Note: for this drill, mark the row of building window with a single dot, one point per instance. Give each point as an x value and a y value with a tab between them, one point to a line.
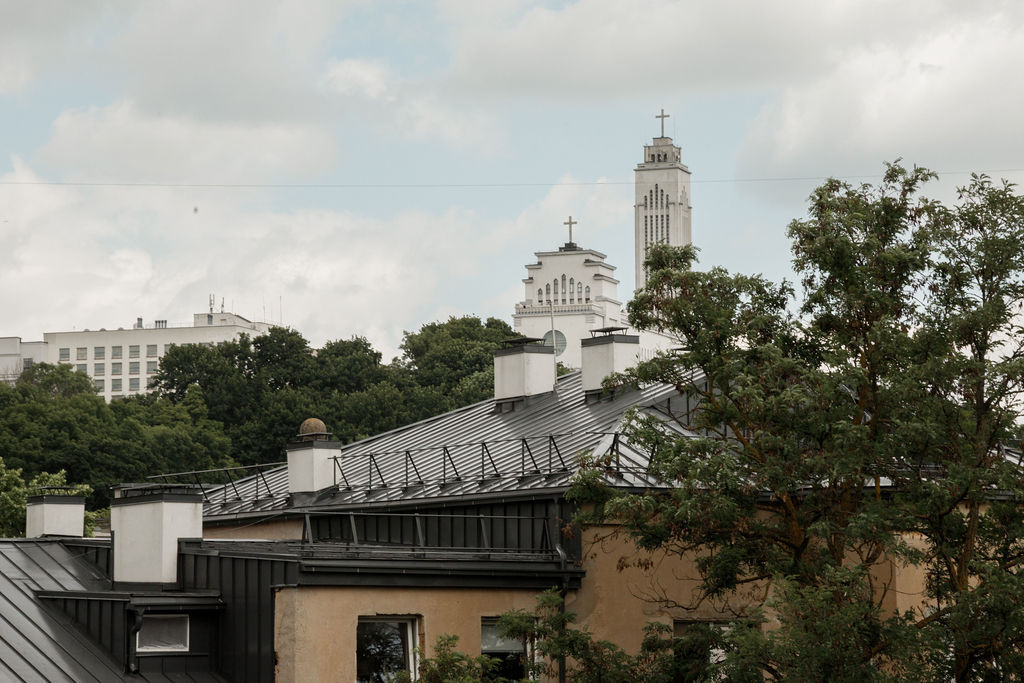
657	229
656	199
100	352
573	293
100	369
117	385
386	646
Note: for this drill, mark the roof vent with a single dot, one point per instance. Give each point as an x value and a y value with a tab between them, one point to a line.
607	351
523	368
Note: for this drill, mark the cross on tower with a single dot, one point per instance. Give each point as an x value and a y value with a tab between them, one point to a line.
570	223
662	116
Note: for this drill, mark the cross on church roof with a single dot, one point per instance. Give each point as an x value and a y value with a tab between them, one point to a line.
662	116
570	223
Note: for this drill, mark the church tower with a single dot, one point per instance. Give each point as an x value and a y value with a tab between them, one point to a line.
662	209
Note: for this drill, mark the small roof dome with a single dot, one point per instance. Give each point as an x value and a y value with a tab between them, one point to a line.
313	428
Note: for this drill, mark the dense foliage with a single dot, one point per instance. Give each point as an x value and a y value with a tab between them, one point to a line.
866	431
261	389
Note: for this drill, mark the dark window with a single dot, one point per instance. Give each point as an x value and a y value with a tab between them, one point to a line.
511	654
384	647
697	645
163	633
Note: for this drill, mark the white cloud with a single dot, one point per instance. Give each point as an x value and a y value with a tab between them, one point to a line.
122	143
37	36
943	99
365	78
335	273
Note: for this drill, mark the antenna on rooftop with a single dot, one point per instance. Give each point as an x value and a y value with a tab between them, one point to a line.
222	304
213	300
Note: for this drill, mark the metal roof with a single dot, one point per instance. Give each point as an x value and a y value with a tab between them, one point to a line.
479	451
37	642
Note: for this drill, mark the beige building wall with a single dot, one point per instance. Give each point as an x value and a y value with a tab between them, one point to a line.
626	588
315	627
273	530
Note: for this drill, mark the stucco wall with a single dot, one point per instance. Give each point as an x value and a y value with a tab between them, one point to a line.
315	627
616	605
281	529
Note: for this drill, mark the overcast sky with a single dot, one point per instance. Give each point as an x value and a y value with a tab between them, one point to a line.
362	168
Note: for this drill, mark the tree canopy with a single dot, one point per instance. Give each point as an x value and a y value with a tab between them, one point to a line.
869	426
261	389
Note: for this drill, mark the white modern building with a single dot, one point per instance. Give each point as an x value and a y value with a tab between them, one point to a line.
572	292
123	361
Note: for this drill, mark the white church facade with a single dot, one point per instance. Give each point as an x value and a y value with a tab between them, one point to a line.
572	292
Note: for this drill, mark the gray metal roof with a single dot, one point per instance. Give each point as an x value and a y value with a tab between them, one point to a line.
477	451
37	642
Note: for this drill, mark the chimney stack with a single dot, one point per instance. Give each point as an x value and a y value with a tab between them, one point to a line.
54	515
311	459
146	523
607	351
524	368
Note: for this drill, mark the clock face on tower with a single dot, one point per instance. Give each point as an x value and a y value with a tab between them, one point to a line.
559	341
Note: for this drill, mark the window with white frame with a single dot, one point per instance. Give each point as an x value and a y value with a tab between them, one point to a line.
65	353
697	646
163	633
99	352
81	353
133	351
151	350
511	654
385	647
115	352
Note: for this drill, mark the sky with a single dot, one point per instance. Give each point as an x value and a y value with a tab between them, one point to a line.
363	168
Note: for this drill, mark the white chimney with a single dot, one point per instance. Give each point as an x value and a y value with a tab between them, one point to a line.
525	369
311	459
54	515
146	523
610	351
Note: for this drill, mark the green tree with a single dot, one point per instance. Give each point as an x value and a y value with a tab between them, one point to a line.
825	438
448	665
443	354
14	493
56	380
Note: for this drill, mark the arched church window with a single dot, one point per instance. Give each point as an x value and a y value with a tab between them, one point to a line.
572	289
540	295
548	288
579	291
588	295
563	288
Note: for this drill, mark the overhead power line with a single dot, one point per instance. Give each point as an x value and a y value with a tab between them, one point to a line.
395	186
